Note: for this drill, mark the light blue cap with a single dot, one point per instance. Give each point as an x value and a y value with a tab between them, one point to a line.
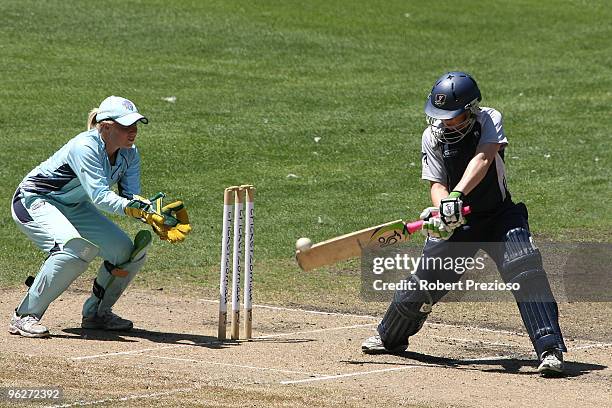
121	110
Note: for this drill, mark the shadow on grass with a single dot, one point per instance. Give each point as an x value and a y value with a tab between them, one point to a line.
510	365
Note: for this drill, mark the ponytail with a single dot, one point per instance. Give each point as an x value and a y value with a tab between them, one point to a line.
91	119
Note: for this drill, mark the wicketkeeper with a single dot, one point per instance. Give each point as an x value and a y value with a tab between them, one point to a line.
463	160
58	206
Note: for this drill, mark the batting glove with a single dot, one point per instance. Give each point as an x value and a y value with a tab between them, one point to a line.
451	209
427	213
435	228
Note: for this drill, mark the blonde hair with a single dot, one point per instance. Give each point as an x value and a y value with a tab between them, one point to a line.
91	120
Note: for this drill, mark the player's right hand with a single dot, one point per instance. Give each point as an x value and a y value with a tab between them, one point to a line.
163	223
435	228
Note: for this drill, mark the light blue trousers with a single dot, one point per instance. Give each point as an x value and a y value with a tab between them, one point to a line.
58	229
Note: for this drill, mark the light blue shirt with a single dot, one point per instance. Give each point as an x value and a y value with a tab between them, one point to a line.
81	171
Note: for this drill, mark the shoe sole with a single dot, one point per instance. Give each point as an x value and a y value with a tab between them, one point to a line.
375	351
383	351
17	331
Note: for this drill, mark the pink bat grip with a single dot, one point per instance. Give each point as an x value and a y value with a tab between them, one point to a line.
417	225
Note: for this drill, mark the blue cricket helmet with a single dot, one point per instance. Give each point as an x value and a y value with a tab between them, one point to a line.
452	94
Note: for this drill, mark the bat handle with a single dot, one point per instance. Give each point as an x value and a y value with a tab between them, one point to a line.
413	227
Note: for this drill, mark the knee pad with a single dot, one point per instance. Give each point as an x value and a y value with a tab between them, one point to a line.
523	265
81	248
57	273
71	260
109	275
405	315
112	280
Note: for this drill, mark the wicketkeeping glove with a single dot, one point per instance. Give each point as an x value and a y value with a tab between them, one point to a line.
451	209
142	209
181	226
169	222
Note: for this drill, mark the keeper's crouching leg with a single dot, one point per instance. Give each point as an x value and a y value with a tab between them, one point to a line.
112	280
60	269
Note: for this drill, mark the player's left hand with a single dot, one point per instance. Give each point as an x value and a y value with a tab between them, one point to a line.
451	210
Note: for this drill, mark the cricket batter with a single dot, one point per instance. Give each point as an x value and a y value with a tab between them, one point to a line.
58	204
463	160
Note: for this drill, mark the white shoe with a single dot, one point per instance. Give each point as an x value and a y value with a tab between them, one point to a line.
27	326
552	364
106	321
374	345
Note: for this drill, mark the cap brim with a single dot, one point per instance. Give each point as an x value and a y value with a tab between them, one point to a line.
436	113
131	118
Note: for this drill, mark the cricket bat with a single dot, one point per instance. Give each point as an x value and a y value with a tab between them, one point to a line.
350	245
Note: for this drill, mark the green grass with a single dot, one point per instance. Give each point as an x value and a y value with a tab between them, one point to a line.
256	82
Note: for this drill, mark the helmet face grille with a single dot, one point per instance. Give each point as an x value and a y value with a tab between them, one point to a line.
451	134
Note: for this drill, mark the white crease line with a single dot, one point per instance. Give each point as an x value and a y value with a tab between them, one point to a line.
126	398
288	309
269	336
385	370
318	312
119	353
359	373
190	360
591	346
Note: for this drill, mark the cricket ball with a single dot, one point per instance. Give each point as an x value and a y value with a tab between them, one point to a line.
303	244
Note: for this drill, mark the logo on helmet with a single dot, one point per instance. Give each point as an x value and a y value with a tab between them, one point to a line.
128	105
439	99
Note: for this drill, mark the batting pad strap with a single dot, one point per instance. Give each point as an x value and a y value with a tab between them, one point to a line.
98	290
115	270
